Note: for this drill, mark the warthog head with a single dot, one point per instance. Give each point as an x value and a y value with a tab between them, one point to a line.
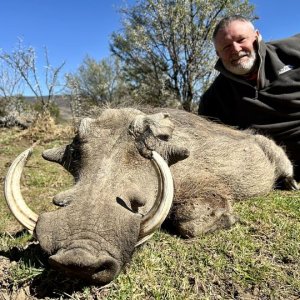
123	191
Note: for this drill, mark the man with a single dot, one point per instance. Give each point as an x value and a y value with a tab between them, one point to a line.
258	86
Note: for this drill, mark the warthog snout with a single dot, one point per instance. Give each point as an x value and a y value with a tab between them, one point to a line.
100	270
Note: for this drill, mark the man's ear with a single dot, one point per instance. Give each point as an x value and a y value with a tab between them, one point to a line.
217	53
258	35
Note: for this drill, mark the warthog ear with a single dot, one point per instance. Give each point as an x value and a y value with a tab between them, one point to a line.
67	156
152	132
55	154
175	154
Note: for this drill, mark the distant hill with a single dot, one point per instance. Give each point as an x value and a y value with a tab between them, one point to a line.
63	103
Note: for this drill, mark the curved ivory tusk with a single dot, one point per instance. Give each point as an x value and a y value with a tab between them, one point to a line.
12	192
158	213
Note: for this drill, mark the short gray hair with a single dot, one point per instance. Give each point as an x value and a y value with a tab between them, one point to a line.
226	21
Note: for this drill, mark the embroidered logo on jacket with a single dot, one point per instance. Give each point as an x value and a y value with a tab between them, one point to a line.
285	69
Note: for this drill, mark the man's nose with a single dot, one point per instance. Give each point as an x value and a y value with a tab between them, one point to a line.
236	47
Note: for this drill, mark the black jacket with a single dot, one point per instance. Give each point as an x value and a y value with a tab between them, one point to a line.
272	107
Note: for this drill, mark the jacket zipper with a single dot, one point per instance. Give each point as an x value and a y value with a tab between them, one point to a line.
256	93
258	71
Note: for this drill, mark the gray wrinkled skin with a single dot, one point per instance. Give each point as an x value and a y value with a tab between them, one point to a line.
94	234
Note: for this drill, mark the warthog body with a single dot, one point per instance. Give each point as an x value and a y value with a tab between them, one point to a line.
96	231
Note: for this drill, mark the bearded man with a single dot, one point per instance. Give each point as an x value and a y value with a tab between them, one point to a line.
258	86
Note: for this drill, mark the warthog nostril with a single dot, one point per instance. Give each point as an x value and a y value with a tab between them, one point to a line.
80	263
106	271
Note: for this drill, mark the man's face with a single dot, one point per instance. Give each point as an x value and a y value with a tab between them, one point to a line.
235	46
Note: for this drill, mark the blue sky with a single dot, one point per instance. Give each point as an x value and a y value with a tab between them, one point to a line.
71	29
278	18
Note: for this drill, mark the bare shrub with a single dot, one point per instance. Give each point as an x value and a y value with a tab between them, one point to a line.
44	129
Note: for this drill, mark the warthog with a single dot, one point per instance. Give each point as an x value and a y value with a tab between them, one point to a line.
124	187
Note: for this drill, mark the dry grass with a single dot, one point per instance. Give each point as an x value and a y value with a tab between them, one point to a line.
45	130
258	258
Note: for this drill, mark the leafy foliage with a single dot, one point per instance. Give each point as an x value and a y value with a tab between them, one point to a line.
96	84
166	47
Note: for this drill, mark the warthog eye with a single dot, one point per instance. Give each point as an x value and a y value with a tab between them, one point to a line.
74	148
164	137
72	157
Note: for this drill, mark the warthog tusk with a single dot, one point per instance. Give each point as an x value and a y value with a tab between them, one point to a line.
13	195
158	213
150	222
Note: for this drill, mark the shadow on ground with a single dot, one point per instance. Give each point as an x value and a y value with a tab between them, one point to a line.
28	268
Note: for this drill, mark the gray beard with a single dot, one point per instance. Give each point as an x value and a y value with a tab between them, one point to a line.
243	67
